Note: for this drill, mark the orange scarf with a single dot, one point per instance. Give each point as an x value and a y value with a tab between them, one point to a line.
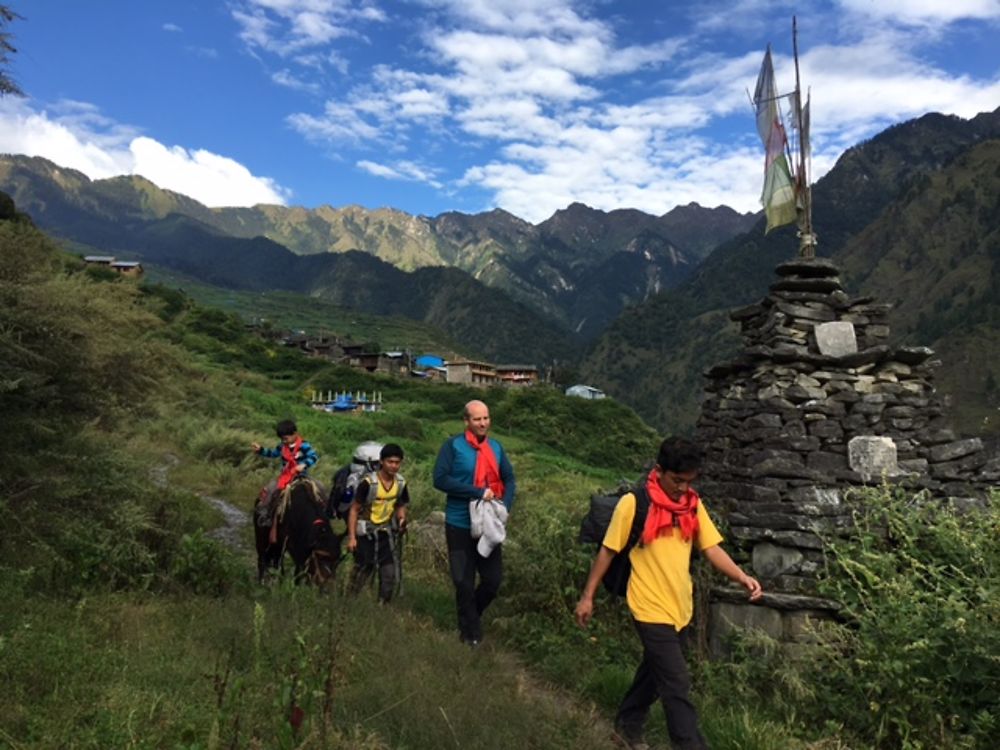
487	473
665	513
289	454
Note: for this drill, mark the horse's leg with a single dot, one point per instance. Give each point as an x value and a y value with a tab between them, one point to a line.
263	555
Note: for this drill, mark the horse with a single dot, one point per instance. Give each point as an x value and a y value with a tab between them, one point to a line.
303	531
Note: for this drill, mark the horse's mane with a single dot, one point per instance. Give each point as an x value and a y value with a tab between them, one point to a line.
285	496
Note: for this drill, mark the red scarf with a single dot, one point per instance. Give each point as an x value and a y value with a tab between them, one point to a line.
487	472
289	454
660	520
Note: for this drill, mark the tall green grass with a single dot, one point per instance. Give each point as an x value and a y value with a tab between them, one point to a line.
125	625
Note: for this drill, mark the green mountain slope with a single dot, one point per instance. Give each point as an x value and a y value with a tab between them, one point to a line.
559	268
935	255
653	355
479	319
128	623
294	311
700	230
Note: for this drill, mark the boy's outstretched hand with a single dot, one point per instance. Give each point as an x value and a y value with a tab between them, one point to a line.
255	447
584	611
753	587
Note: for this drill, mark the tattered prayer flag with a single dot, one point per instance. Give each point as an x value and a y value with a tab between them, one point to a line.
778	196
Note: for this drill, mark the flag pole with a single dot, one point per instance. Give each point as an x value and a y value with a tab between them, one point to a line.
807	240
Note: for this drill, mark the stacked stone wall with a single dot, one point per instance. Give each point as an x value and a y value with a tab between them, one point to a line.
816	403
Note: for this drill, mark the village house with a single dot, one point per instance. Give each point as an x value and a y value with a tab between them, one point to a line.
320	347
99	260
390	363
517	375
439	374
131	268
471	372
585	391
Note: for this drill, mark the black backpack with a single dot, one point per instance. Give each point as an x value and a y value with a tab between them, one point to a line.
341	495
364	461
595	525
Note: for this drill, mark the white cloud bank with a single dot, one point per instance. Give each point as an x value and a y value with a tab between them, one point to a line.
539	104
77	136
540	92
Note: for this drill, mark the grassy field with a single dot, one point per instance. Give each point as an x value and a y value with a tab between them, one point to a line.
291	311
125	624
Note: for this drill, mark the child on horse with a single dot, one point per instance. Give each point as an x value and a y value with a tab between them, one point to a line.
297	456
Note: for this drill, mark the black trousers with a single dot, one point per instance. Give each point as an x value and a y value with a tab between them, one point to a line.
663	675
374	550
465	562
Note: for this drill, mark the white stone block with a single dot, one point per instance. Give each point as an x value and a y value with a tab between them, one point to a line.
872	456
836	339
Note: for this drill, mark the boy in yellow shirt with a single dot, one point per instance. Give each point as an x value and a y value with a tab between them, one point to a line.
660	590
375	521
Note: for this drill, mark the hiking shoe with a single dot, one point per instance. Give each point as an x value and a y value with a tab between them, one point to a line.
628	744
630	741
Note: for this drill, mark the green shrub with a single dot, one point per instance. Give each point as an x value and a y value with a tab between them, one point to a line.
205	566
917	662
600	433
210	441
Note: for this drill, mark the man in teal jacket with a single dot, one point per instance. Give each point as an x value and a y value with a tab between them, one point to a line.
472	467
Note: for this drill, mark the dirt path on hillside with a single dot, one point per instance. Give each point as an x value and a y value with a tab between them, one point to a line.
544	697
235	520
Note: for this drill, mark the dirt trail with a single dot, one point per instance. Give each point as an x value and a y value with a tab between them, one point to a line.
592	729
235	520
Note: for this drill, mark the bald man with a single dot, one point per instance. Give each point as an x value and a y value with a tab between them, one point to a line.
472	466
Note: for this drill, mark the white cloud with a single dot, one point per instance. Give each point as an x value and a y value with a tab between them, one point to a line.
286	27
924	12
339	122
289	80
554	18
210	178
401	170
535	87
77	136
172	27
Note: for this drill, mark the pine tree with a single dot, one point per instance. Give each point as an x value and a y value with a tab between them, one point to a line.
7	85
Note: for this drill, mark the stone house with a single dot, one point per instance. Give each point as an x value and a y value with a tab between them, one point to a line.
471	372
517	375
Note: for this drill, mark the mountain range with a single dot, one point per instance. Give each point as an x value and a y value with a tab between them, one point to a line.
640	302
579	268
911	216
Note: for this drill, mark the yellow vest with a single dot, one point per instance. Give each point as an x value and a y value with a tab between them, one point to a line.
382	502
659	589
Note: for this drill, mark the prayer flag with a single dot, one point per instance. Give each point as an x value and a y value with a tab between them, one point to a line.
778	196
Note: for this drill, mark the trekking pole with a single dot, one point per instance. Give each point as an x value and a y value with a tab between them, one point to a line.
397	555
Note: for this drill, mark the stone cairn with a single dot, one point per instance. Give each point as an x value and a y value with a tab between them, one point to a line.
816	403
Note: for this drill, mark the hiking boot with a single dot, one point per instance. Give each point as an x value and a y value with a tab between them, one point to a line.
628	744
630	741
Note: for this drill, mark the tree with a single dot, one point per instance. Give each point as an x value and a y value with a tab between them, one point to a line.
7	85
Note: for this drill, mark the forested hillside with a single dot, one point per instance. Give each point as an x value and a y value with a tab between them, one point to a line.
929	178
579	268
127	623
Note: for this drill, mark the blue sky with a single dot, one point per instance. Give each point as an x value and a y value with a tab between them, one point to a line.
436	105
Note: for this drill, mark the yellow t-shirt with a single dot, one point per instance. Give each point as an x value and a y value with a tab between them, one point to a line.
659	589
384	502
